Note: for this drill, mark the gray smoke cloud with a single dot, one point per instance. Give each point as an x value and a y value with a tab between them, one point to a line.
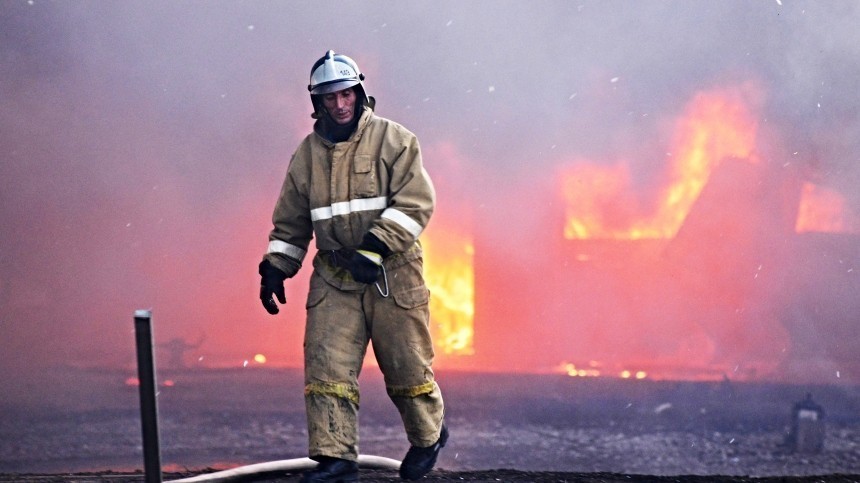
143	143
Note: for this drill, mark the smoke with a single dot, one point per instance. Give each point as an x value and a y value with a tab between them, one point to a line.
143	144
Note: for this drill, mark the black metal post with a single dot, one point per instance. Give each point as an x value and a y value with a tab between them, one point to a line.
148	402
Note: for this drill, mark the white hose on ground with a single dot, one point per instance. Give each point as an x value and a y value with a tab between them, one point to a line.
295	464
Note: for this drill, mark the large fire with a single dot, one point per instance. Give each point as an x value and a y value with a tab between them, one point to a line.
450	276
599	198
602	202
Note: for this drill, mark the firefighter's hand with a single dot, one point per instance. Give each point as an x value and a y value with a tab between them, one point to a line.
271	285
365	266
366	262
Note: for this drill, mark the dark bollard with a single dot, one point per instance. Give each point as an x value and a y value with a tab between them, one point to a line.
148	402
807	427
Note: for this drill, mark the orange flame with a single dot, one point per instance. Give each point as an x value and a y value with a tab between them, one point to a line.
450	276
823	210
716	125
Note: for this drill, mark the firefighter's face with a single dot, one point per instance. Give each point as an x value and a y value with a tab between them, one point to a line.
340	105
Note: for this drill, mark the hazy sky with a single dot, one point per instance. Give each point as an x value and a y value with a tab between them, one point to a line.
142	144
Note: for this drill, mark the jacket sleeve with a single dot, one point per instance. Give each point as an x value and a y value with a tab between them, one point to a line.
411	199
293	231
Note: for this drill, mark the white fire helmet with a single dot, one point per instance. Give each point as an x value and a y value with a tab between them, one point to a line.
334	72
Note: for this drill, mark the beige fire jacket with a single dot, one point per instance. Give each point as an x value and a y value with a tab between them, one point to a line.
374	181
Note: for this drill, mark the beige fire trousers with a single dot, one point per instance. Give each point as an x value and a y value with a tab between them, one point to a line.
339	326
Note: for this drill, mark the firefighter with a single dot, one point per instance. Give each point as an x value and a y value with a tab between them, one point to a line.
357	183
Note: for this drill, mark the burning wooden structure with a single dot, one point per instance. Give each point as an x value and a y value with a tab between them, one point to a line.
734	264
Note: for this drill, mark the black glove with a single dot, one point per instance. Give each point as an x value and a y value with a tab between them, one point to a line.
366	262
271	283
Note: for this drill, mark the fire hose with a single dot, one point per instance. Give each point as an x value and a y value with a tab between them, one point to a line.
290	465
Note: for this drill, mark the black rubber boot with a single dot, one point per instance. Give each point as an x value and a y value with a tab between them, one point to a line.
333	470
419	461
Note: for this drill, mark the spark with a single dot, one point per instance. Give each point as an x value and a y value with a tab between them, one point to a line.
449	23
245	364
250	27
614	80
492	88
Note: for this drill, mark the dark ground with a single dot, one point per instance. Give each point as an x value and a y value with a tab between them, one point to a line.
547	428
494	476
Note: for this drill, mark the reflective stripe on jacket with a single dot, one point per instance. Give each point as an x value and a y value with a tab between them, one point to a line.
374	181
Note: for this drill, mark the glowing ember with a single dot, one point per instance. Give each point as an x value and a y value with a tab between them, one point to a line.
572	371
599	198
625	374
260	359
132	381
450	276
823	211
593	370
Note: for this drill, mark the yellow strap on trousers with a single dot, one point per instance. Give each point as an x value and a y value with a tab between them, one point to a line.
335	389
411	391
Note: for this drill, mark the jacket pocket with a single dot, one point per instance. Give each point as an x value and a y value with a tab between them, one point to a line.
413	297
365	176
315	297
